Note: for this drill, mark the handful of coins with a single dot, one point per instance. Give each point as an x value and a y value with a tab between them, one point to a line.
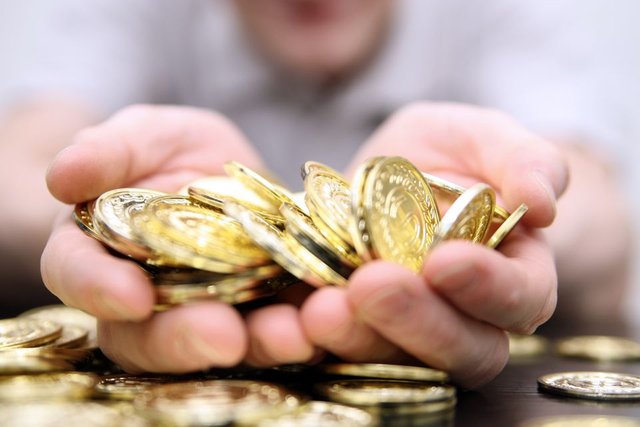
241	237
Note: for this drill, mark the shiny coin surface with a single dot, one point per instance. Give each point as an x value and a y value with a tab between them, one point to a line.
127	386
505	228
27	332
283	249
269	192
83	217
383	392
12	363
386	371
112	217
319	413
215	402
61	386
65	315
328	196
523	346
396	215
71	337
456	190
217	189
592	385
582	421
599	347
469	216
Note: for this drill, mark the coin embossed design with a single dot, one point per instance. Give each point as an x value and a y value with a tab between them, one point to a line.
27	332
592	385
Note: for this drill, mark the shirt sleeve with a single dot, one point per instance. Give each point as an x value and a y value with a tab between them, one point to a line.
99	52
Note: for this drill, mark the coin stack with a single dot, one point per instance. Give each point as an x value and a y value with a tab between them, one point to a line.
241	237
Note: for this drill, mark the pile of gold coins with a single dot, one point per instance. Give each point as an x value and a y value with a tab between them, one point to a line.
241	237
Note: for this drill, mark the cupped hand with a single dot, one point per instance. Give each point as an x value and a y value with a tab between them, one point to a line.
454	314
160	148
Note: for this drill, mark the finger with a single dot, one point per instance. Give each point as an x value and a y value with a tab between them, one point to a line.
330	322
516	292
183	339
140	141
79	271
276	337
485	144
404	310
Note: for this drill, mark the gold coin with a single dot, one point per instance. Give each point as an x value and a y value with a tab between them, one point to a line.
506	227
14	363
71	337
600	348
469	216
581	421
224	282
128	386
65	316
449	188
319	413
61	386
342	259
384	392
83	217
283	249
27	332
220	188
212	234
112	218
523	346
183	294
311	165
386	371
328	197
71	355
395	212
271	193
592	385
215	402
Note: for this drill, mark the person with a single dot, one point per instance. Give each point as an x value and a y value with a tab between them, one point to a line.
277	82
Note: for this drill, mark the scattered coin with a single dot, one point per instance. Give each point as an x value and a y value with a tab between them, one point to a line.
592	385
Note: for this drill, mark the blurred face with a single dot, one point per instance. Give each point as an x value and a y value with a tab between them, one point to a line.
316	38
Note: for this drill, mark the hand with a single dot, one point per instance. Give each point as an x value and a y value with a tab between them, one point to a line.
454	314
160	148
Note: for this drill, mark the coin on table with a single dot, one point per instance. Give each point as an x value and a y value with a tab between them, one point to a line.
268	191
25	332
215	402
283	249
211	233
65	315
328	197
83	217
386	371
525	346
128	386
581	421
112	217
71	337
505	228
60	386
599	347
592	385
396	215
343	259
319	413
447	187
15	363
469	216
368	392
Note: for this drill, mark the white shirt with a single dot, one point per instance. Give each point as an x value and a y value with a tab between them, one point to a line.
554	65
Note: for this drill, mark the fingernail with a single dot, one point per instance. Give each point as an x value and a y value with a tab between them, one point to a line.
201	347
545	186
386	304
113	306
455	277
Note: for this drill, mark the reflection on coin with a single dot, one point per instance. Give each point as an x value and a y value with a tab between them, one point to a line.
469	216
582	421
506	227
601	348
318	413
24	331
215	402
12	363
60	386
128	386
382	392
65	315
456	190
112	217
72	337
523	346
271	193
83	217
386	371
395	212
592	385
